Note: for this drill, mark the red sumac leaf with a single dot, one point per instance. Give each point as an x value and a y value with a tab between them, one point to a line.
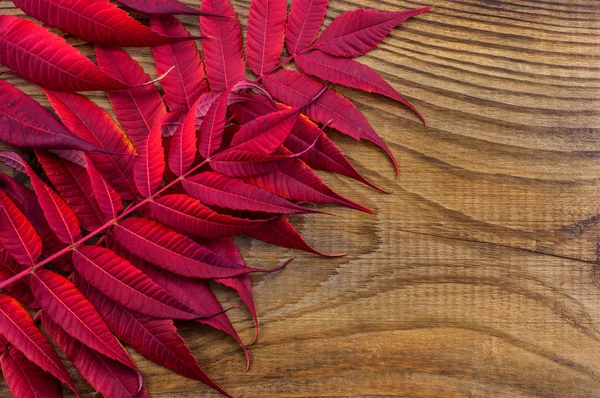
17	326
188	215
61	300
266	30
46	59
91	123
211	130
325	155
297	181
156	339
25	379
108	199
117	279
223	52
214	189
355	33
107	376
150	164
137	109
349	73
182	148
265	133
172	251
304	23
297	89
26	124
17	235
73	184
185	83
97	21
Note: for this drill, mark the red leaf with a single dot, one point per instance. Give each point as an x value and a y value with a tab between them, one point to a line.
46	59
265	133
61	300
25	379
243	163
137	109
91	123
156	339
304	23
211	129
172	251
60	217
26	124
192	292
325	155
73	184
214	189
97	21
17	326
116	278
108	377
26	200
184	84
349	73
356	32
161	7
299	182
264	39
17	235
108	199
189	216
150	165
182	150
281	232
223	52
297	89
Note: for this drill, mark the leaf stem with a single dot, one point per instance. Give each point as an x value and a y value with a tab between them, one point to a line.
99	230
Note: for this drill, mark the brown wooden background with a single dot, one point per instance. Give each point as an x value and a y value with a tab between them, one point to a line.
479	275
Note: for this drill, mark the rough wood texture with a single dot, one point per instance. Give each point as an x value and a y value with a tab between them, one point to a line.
479	275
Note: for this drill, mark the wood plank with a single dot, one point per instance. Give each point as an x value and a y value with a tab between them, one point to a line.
478	274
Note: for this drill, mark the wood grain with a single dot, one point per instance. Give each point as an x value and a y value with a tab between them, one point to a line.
479	274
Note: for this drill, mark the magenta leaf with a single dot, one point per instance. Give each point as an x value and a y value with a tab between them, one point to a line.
223	51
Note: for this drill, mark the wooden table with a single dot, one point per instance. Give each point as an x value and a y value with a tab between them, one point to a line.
478	276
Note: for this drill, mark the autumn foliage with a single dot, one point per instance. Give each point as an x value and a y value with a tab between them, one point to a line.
120	226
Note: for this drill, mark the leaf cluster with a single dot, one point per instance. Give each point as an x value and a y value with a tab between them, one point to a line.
119	234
